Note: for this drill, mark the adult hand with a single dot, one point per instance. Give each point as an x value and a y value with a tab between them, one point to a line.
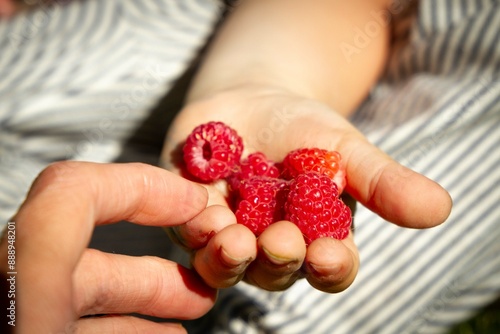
59	280
275	122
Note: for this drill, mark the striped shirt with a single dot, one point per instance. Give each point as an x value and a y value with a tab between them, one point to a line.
79	80
84	81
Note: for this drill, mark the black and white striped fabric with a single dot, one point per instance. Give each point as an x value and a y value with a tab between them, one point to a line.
437	110
77	80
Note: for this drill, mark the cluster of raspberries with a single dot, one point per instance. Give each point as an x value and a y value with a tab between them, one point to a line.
304	188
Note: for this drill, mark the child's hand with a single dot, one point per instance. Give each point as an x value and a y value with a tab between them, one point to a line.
275	122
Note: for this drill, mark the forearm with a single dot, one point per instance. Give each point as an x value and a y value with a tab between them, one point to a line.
306	47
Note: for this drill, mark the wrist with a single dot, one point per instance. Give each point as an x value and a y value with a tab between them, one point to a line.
294	46
251	76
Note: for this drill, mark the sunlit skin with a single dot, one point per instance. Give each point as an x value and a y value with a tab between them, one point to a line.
59	279
285	90
277	75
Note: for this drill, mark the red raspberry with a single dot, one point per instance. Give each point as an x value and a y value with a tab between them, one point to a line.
256	164
261	202
315	160
313	205
212	151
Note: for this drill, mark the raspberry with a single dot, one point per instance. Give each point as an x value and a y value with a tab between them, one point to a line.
212	151
313	205
256	164
315	160
261	202
303	189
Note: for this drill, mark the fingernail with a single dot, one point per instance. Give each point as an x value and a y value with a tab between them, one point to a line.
233	262
324	271
278	260
200	193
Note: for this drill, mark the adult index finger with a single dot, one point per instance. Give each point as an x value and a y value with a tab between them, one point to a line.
55	224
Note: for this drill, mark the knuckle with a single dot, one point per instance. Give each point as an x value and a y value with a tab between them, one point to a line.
58	174
59	178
